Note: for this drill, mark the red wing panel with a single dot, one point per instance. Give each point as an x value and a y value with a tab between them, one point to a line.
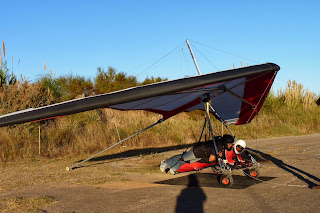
256	91
168	114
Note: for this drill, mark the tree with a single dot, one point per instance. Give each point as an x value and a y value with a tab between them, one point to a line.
73	86
152	80
109	81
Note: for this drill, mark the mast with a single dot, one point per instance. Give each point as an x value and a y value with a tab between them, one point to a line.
194	59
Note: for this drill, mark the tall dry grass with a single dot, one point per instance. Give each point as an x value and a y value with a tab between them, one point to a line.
90	132
292	111
295	95
4	49
0	59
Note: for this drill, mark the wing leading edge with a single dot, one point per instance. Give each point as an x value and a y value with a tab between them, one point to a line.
237	95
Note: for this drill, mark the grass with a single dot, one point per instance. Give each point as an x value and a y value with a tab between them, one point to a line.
91	132
87	133
24	204
292	111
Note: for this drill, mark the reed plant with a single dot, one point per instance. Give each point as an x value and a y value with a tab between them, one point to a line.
295	96
3	49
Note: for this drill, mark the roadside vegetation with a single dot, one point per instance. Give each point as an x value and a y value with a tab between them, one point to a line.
292	111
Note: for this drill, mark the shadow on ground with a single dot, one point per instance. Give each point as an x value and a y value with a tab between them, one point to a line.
192	198
211	180
258	155
288	168
130	154
138	152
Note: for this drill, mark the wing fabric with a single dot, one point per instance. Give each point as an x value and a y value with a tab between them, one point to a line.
230	107
237	95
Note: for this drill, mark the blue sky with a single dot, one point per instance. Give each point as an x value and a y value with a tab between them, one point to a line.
76	37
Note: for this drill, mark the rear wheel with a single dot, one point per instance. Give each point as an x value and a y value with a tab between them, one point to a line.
226	180
255	173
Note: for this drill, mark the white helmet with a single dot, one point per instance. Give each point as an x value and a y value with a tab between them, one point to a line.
241	143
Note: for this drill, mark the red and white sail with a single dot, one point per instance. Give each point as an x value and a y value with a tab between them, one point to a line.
237	96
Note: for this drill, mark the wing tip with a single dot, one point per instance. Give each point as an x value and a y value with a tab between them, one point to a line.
274	67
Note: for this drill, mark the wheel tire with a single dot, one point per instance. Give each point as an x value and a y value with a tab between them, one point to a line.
226	180
255	173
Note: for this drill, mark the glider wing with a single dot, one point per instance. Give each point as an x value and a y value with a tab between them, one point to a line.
237	95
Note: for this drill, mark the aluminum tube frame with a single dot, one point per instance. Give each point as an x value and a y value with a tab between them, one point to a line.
224	123
120	142
194	58
222	166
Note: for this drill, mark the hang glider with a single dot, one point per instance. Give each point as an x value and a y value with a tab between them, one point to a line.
237	95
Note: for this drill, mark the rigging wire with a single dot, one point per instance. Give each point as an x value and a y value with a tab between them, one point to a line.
236	55
206	58
181	56
160	59
187	62
188	65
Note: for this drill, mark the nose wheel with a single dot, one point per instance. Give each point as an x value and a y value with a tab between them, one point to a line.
226	180
255	173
